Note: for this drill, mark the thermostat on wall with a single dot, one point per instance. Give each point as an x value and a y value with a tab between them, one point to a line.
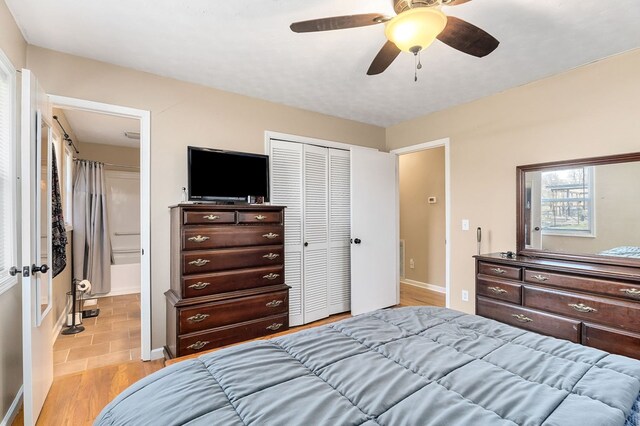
431	200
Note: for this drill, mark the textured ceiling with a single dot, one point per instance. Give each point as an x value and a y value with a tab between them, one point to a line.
91	127
246	47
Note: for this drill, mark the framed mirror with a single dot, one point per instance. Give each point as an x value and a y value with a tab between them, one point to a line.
585	210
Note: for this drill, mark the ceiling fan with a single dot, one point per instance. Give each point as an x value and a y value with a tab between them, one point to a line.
417	24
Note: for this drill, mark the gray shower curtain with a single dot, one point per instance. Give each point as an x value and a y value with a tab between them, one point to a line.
91	242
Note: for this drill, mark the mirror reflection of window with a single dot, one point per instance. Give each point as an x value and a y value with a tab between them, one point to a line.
567	202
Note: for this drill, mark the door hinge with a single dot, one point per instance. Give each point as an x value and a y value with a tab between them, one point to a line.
26	271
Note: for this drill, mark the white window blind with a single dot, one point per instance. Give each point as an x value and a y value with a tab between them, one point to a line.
7	173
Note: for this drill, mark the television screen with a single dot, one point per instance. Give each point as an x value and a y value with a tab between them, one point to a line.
216	175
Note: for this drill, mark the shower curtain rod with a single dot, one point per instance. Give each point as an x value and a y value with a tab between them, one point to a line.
122	166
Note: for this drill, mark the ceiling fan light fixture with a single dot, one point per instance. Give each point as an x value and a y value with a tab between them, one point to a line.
415	29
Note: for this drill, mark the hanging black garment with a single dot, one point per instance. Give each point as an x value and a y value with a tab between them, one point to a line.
58	231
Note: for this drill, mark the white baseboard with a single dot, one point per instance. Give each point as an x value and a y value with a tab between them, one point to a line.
13	409
157	353
431	287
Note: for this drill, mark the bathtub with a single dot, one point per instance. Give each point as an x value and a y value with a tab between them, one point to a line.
125	274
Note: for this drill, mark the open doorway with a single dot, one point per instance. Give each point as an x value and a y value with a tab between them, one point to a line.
424	223
110	145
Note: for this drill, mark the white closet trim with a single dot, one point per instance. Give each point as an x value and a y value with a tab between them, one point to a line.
269	135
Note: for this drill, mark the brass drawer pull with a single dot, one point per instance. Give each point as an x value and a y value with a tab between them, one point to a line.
260	217
211	217
198	345
631	292
198	318
521	318
271	276
199	285
274	303
271	256
271	235
497	290
498	270
275	326
581	307
199	262
540	277
198	239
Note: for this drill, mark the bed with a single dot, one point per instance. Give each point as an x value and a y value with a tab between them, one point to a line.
623	251
405	366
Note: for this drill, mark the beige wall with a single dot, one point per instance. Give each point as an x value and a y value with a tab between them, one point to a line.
617	209
422	225
184	114
15	48
113	154
585	112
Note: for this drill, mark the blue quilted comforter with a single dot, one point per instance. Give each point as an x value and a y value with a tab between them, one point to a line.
408	366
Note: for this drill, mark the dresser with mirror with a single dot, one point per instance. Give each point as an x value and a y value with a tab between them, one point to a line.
576	272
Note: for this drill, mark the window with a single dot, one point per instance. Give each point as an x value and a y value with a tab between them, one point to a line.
567	202
8	182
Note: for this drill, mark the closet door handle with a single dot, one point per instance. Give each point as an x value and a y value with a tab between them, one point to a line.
357	241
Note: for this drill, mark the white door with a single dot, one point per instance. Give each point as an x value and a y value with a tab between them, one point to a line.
286	190
35	206
339	231
316	233
374	230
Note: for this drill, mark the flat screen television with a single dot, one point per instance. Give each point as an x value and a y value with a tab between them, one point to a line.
226	176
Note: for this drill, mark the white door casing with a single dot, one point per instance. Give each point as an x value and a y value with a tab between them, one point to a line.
374	224
316	232
36	324
339	231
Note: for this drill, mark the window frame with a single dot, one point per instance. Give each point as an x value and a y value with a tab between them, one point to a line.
7	281
588	233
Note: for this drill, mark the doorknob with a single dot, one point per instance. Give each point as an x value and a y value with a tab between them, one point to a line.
357	241
537	228
306	244
13	271
42	269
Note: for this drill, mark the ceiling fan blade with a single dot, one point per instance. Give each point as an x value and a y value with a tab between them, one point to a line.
384	58
467	38
338	23
455	2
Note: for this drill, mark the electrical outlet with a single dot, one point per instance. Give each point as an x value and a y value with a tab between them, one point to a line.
465	296
412	264
465	224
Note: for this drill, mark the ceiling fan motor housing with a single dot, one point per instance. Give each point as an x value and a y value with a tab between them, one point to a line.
401	5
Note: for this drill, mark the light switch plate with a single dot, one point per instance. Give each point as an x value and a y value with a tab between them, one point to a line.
465	224
465	296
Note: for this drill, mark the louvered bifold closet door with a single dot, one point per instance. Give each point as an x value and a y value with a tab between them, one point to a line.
339	231
286	190
316	233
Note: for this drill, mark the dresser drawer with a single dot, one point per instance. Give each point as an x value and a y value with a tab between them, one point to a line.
231	311
259	217
200	217
197	262
595	309
512	272
591	285
224	282
611	340
496	288
209	237
222	336
539	322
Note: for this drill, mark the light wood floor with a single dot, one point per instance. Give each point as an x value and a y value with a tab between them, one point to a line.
76	399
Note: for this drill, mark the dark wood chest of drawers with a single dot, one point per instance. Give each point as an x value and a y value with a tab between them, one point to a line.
595	305
227	276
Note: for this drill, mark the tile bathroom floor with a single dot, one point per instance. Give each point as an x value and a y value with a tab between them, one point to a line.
112	337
